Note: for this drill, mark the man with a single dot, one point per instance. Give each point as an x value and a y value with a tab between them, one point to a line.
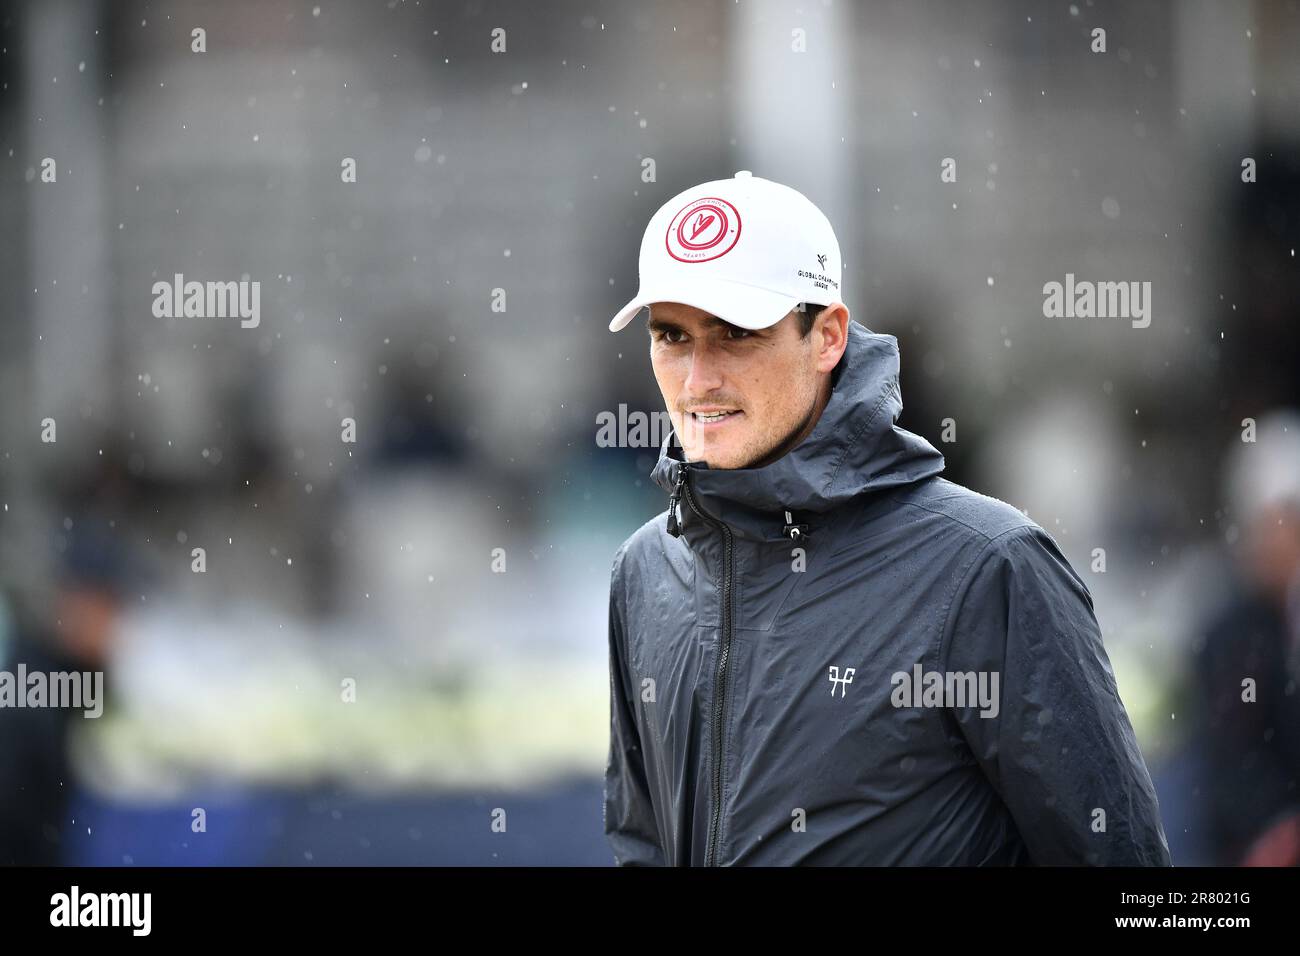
824	652
37	779
1248	736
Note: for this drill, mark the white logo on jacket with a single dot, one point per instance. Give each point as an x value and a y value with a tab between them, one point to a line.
844	681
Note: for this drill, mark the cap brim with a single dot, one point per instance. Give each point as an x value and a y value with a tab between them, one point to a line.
746	306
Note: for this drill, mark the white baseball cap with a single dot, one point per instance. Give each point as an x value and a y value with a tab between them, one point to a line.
745	249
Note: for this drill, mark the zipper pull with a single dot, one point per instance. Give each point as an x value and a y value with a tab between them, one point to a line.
674	528
796	532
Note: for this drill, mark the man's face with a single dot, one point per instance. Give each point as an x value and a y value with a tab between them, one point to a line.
766	380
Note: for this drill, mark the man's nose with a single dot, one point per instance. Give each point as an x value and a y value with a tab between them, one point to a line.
704	375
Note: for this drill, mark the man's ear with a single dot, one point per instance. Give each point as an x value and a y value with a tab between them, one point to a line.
831	335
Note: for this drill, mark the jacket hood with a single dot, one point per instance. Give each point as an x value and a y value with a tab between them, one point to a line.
856	448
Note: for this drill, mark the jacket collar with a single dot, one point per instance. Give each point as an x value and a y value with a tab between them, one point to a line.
856	448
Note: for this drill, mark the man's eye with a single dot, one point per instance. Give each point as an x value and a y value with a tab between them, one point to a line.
667	335
738	333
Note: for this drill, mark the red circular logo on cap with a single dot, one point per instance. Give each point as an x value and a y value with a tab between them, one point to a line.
704	229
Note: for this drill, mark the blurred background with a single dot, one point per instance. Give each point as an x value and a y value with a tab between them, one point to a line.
393	637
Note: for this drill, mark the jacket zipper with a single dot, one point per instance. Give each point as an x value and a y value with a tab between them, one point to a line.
720	685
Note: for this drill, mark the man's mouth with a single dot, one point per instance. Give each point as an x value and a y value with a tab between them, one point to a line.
714	416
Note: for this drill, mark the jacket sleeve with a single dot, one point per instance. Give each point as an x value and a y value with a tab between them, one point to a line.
1060	749
628	812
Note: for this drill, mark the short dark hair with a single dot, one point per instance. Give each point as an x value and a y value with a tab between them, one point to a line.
808	312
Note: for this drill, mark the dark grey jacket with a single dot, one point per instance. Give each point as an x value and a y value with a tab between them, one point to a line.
762	664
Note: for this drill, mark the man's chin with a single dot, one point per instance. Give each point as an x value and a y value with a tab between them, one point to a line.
718	456
730	450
